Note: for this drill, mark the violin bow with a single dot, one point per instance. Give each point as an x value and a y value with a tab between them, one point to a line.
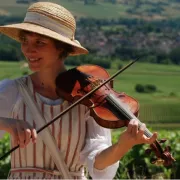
74	104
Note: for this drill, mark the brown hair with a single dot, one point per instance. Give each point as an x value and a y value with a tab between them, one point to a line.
67	49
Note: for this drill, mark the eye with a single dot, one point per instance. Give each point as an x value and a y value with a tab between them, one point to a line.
40	43
22	39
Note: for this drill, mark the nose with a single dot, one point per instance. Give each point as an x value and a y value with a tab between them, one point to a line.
28	48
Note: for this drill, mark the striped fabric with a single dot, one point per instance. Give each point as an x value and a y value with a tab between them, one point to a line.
69	132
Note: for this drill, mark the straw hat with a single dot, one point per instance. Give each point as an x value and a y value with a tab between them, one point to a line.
48	19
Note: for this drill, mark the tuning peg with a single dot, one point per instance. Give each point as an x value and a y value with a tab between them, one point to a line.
168	148
148	151
162	141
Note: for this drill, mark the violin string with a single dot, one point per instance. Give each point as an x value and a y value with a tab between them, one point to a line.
74	104
126	112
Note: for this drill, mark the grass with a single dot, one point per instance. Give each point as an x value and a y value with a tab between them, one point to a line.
100	10
165	77
161	107
10	70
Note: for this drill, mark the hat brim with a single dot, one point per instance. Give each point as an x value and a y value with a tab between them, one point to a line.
13	32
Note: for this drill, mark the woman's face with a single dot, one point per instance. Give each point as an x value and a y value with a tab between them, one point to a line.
40	52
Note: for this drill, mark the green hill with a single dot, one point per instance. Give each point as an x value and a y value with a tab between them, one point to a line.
161	106
158	110
144	9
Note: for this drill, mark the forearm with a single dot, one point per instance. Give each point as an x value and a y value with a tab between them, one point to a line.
110	155
130	137
4	124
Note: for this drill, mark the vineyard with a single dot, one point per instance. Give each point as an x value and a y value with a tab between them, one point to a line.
136	164
159	110
115	31
161	107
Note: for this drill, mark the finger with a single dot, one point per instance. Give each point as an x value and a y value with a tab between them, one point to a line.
33	135
21	135
28	136
142	129
130	125
153	138
135	128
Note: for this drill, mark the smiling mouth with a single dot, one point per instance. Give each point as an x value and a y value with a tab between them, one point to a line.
34	60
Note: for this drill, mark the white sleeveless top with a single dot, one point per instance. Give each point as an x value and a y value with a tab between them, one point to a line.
79	138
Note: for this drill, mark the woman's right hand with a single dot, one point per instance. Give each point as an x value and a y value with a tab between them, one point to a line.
21	131
134	135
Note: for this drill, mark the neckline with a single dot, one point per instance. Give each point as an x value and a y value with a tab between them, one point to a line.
40	97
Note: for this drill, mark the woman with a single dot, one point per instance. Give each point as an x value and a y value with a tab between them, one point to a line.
47	38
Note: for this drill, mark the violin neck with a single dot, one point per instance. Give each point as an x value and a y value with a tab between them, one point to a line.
120	107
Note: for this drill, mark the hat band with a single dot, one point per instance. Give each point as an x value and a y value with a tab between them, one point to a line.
42	20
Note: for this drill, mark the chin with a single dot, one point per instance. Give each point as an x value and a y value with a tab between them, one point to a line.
34	69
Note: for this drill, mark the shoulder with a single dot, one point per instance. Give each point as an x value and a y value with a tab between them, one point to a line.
7	84
8	91
8	96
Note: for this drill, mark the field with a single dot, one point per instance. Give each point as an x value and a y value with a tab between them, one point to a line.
146	9
159	110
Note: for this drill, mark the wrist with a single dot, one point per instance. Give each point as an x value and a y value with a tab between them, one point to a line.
4	124
126	146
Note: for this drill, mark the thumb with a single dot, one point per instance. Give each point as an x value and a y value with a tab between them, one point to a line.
152	138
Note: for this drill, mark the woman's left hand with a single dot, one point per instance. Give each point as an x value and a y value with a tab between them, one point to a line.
134	135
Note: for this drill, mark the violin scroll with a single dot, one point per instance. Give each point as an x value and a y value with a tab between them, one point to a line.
163	157
109	108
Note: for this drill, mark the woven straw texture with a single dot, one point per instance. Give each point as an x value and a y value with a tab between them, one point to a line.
55	12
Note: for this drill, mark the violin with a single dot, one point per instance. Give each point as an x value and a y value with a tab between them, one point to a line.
91	85
109	108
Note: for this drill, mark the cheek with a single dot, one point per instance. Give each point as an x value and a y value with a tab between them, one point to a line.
53	54
22	49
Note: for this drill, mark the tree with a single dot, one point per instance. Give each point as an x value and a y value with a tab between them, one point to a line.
175	55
